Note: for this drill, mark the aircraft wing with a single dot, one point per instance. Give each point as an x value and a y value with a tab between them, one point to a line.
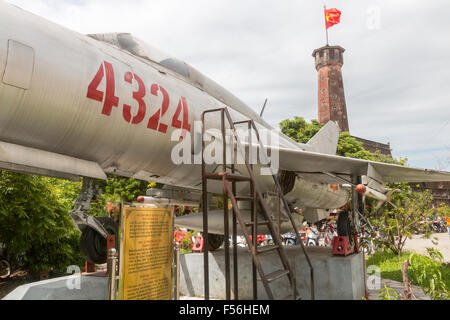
316	164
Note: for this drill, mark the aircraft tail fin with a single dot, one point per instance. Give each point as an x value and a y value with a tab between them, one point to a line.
326	140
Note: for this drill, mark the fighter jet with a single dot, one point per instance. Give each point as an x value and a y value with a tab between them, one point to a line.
74	105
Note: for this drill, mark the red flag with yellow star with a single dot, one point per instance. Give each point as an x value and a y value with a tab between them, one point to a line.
332	17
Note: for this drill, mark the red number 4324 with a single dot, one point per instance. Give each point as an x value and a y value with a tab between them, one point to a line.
110	100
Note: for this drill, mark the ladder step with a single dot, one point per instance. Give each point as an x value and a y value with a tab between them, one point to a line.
260	223
243	121
276	275
244	198
265	249
237	177
229	176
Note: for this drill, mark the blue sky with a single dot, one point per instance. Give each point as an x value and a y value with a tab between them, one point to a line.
396	71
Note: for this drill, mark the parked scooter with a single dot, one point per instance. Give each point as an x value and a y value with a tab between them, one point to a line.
312	237
438	225
329	233
366	242
289	239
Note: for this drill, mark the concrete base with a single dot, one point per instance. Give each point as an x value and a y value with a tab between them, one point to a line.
336	278
74	287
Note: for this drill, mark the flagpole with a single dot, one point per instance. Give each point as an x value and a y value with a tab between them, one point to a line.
325	16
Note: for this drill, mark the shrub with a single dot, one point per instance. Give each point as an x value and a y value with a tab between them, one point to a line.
34	221
431	274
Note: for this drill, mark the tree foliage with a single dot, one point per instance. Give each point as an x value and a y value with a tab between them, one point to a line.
118	189
302	131
399	223
427	272
34	221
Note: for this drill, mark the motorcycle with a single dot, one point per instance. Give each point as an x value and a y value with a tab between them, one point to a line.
289	239
329	233
312	237
438	226
366	242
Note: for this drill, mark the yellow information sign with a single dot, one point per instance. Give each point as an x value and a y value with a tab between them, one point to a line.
146	253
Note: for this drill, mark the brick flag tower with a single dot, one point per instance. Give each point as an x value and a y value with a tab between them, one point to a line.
329	61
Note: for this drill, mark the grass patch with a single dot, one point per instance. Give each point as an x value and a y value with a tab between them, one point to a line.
390	267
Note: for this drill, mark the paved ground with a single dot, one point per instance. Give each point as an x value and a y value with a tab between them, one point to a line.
17	278
419	244
398	287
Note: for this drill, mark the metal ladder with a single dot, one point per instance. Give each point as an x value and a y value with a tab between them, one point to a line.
256	199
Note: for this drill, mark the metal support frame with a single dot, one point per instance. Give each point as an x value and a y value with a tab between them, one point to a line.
286	207
357	206
89	267
112	266
110	244
256	199
79	215
176	270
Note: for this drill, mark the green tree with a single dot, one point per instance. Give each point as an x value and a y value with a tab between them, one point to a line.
444	211
350	147
34	216
35	223
118	189
302	131
397	224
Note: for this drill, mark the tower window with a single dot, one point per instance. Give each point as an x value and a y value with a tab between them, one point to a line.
321	54
332	53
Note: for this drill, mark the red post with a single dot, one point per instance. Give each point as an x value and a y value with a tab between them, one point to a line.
341	246
198	244
89	267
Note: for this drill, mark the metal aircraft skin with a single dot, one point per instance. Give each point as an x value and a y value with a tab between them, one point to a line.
73	105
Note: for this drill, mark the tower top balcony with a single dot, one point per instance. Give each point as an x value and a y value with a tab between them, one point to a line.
328	56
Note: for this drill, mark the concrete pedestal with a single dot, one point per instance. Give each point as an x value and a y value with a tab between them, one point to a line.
75	287
336	278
